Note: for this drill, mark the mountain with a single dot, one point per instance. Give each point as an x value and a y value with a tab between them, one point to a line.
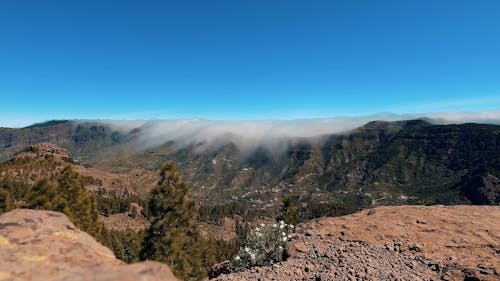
83	139
404	162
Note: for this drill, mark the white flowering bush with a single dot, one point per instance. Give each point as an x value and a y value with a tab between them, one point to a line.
264	244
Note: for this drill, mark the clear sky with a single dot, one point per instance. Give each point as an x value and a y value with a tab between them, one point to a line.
245	59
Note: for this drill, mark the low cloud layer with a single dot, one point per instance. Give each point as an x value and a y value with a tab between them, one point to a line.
272	134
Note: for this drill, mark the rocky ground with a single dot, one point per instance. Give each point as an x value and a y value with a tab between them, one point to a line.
124	221
393	243
385	243
45	245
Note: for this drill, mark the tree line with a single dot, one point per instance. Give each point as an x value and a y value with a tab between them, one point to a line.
173	236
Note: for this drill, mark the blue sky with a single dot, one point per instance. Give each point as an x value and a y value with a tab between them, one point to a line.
246	59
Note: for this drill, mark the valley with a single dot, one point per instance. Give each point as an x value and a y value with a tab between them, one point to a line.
411	162
380	163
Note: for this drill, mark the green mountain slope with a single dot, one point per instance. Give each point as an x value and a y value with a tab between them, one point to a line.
406	162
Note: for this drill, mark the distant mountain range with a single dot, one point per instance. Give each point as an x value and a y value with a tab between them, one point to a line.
403	162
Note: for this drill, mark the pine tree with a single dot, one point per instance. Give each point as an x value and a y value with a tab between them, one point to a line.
67	196
173	236
82	203
47	196
289	212
132	245
6	201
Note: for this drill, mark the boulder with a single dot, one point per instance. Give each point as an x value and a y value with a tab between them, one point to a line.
45	245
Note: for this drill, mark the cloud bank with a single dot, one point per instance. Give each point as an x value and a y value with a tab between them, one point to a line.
274	135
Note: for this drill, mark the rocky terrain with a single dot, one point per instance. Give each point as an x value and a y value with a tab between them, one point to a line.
392	243
39	155
124	221
45	245
384	243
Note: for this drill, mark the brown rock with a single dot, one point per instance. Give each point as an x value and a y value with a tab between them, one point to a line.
45	245
220	268
300	247
414	248
394	243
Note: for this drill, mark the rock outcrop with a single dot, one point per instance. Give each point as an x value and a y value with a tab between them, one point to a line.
393	243
45	245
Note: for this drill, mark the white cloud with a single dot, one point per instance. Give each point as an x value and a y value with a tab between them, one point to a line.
275	135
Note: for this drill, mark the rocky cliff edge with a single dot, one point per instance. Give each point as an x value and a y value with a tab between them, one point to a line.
45	245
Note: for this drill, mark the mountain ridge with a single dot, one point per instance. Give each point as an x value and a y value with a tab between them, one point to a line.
401	162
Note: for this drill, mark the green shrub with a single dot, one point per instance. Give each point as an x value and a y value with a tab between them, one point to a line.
289	212
6	201
263	245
